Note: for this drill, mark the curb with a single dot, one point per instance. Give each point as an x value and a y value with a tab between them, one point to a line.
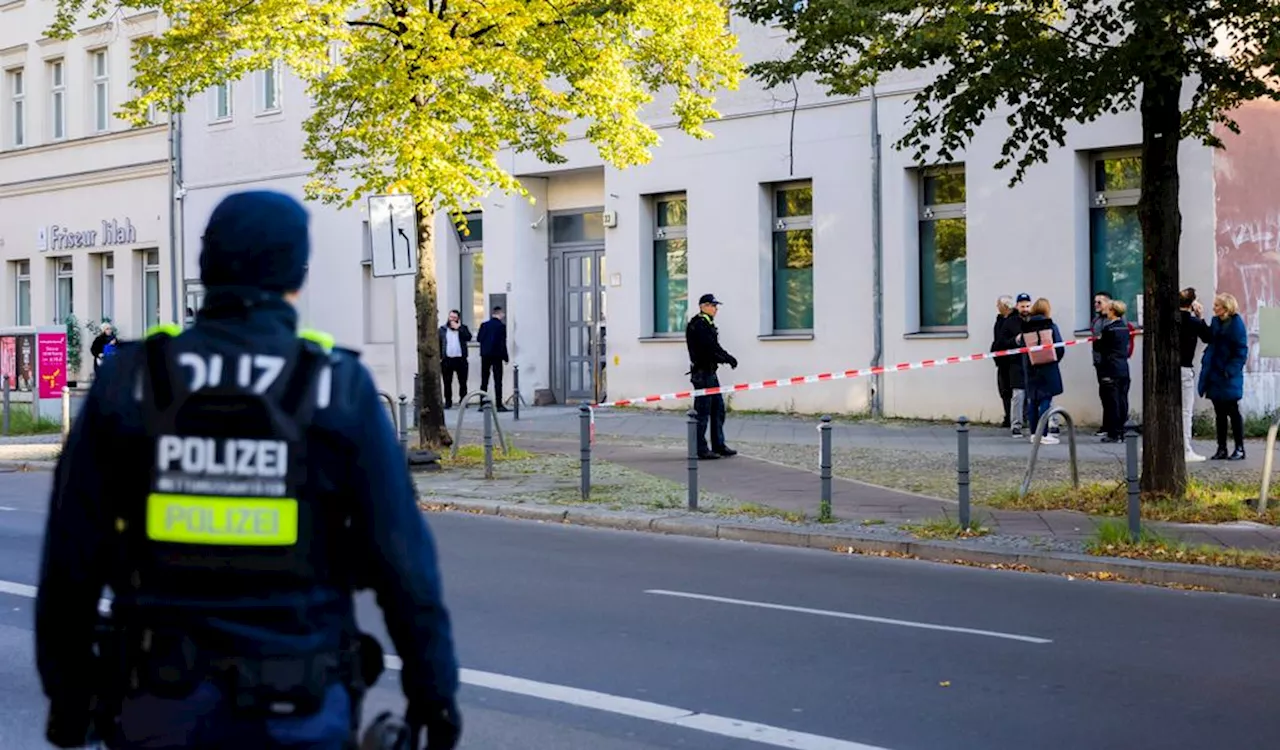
33	465
1225	580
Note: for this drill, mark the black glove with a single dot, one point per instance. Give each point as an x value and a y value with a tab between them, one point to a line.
733	361
441	721
70	722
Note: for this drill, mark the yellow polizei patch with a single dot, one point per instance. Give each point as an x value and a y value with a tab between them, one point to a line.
197	519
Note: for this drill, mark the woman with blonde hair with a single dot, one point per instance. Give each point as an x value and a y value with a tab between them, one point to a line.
1222	373
1043	377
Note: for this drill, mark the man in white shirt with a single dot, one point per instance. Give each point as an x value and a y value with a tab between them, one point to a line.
454	337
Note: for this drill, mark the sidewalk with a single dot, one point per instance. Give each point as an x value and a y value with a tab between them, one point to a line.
748	480
562	421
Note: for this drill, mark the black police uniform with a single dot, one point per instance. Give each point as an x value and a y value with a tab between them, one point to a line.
705	356
225	482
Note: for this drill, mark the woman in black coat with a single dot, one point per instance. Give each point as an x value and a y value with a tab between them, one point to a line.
1111	361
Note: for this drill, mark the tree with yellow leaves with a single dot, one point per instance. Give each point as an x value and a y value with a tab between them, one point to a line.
420	96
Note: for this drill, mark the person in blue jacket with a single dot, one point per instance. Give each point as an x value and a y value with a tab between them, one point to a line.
1222	372
233	484
1043	379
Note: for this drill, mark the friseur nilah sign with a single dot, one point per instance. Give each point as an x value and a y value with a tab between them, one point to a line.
57	238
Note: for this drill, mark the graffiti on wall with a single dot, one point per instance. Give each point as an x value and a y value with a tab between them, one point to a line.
1248	234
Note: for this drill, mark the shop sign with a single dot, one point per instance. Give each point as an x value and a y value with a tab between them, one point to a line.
60	238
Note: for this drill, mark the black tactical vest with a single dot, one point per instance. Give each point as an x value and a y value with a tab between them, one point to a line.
226	512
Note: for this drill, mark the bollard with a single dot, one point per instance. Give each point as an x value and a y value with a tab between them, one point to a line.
66	413
1131	476
487	406
692	423
515	384
404	421
584	447
962	469
824	468
5	388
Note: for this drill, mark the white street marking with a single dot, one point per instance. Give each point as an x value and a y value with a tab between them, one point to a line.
850	616
656	712
616	704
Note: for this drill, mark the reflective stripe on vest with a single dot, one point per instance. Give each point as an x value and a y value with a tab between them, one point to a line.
208	520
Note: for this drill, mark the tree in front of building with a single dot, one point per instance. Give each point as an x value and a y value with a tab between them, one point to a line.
1035	66
75	346
419	97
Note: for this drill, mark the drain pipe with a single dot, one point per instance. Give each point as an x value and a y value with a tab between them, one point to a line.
877	273
176	194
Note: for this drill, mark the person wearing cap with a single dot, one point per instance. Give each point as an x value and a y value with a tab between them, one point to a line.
1006	338
255	483
705	357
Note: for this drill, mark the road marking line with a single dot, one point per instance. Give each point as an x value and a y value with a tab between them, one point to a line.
655	712
850	616
616	704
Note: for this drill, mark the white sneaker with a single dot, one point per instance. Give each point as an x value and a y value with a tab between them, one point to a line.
1193	457
1049	440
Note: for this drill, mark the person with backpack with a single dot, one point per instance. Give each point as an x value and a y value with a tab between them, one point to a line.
1041	372
1111	363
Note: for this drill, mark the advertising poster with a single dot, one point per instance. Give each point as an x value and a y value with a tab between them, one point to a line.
9	360
26	362
51	352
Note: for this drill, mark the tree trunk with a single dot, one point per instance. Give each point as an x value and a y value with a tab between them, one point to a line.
1164	468
432	432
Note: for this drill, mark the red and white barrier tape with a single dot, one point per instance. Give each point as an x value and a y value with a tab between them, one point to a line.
845	375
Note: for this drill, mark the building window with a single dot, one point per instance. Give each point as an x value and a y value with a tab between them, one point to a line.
17	108
1115	235
220	102
101	91
577	228
140	48
471	304
943	256
670	263
22	293
150	288
793	257
57	100
64	290
107	292
195	300
269	85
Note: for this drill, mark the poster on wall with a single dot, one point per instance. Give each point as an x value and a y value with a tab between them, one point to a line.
9	360
26	361
51	349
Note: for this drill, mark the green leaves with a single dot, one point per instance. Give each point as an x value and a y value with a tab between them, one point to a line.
1038	64
426	93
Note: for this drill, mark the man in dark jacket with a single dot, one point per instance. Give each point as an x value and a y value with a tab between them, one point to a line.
1006	338
233	484
493	354
454	337
705	357
1111	363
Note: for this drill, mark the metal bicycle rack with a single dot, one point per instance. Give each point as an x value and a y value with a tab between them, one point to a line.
1268	461
391	407
1042	429
462	411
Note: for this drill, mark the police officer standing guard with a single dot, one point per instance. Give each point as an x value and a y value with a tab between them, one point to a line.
233	484
705	356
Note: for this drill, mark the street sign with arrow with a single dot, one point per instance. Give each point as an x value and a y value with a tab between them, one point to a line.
393	230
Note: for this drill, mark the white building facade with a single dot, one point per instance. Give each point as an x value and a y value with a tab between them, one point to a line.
774	216
84	196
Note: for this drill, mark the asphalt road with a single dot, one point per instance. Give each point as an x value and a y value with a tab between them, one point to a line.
847	652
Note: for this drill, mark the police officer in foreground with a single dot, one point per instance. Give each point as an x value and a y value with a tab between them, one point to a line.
705	357
233	484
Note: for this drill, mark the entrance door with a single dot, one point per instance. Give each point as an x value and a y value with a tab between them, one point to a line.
583	357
